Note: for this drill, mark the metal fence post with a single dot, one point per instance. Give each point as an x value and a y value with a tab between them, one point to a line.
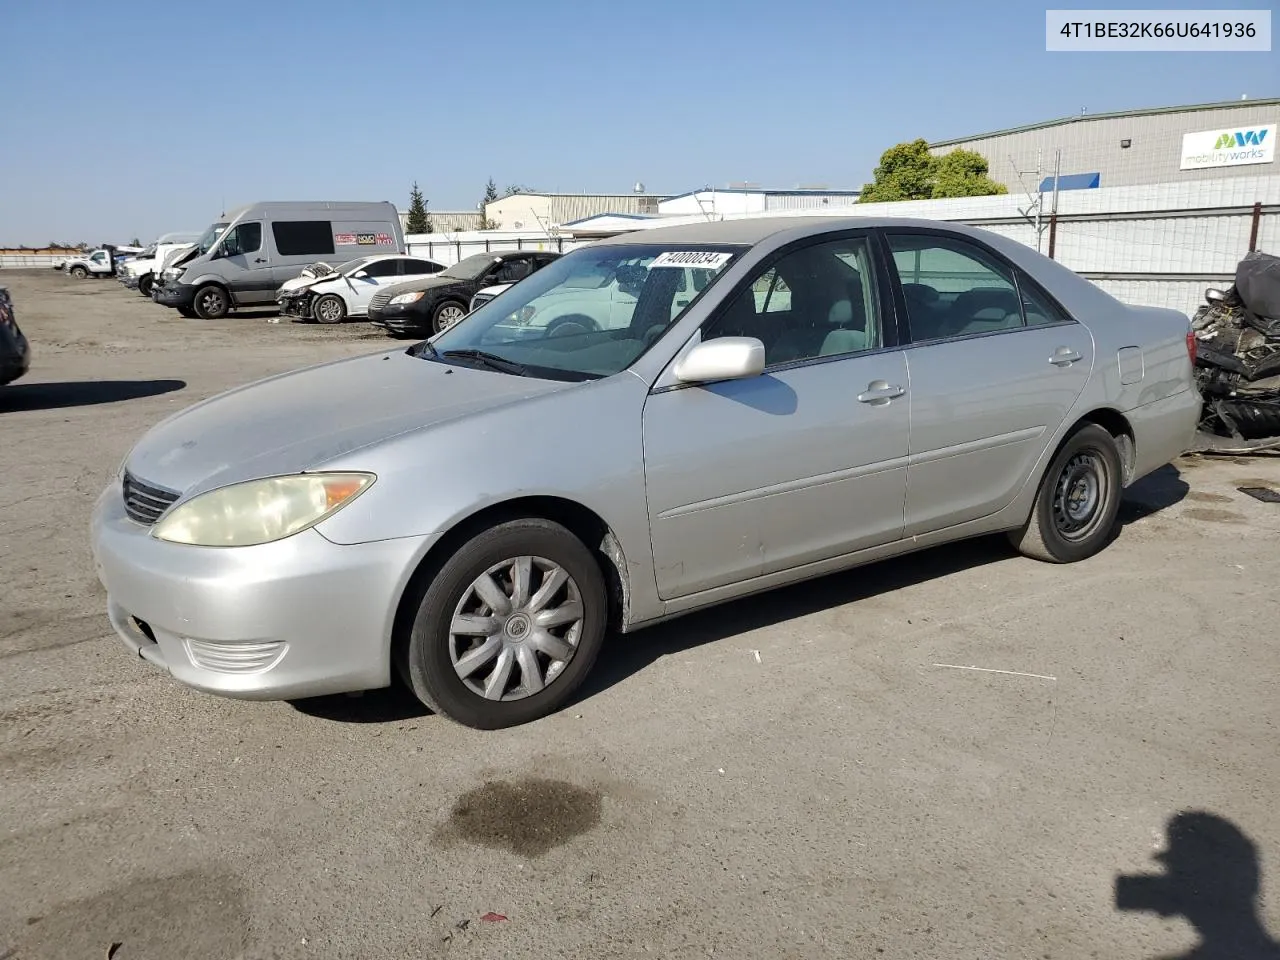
1053	233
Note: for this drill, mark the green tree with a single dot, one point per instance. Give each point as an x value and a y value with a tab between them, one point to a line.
136	242
490	195
905	173
964	173
514	188
418	221
908	171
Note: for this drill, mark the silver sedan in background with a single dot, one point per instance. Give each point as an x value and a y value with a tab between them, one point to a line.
759	401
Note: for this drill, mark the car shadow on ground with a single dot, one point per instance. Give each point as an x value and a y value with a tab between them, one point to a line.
624	656
80	393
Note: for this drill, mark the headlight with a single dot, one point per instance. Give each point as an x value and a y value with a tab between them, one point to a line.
260	511
173	273
407	297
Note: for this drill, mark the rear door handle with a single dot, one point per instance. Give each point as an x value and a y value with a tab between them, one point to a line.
1064	357
879	392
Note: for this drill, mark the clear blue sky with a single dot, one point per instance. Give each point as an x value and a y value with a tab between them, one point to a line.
148	117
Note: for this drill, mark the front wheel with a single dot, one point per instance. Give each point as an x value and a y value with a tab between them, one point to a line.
212	303
145	284
509	627
1074	515
329	308
79	272
447	314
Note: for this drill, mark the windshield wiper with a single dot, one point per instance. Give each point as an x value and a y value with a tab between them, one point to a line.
490	360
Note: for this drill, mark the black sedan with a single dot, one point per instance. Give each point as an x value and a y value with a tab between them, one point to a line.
15	352
436	303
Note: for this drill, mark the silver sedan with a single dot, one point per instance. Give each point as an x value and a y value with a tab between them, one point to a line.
724	408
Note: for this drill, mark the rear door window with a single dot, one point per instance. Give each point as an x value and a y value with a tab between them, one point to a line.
303	238
953	288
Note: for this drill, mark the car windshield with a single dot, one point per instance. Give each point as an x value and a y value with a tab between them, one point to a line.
210	237
471	267
591	313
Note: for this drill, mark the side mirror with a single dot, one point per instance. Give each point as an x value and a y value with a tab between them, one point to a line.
360	274
722	358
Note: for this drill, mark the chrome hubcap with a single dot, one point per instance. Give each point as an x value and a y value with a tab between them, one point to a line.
516	628
1078	497
449	316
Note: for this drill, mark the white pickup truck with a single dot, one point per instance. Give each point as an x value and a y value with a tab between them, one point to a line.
99	263
141	272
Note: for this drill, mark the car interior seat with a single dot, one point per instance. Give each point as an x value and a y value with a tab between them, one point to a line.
982	310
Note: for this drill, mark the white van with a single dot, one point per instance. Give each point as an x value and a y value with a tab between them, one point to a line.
243	260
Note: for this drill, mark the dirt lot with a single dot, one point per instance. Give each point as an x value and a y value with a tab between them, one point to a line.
805	774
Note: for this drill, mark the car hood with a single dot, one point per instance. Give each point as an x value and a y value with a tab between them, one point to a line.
300	420
429	283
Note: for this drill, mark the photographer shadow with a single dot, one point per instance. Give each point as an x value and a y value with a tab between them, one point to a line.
1212	879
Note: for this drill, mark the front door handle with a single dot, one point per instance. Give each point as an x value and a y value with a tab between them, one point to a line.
260	260
1064	357
879	392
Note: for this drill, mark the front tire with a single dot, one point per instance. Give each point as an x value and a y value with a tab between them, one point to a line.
145	285
1075	511
509	627
446	315
79	272
329	308
211	302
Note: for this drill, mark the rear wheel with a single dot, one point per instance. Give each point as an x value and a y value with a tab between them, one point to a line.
1075	511
211	302
509	627
329	308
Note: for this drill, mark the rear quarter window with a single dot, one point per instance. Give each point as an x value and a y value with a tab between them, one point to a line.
303	238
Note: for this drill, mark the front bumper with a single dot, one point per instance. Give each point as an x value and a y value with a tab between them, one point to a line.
300	617
401	318
174	294
295	306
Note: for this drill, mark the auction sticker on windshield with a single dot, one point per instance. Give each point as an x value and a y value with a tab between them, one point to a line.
706	259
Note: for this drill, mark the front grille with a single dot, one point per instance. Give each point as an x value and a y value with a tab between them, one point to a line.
379	301
143	502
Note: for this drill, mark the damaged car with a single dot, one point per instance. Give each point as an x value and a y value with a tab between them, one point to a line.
328	294
1238	360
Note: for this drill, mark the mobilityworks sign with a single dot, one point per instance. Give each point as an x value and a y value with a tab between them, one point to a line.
1228	148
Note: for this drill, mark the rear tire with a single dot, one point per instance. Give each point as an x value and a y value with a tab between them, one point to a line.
1074	516
211	302
329	308
528	635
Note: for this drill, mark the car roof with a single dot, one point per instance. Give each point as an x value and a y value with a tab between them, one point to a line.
752	230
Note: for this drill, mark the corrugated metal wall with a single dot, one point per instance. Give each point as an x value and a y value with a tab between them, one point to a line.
1091	145
793	201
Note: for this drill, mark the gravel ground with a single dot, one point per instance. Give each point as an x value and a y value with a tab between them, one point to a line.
796	775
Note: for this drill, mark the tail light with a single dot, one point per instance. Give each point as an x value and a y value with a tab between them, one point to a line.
1191	346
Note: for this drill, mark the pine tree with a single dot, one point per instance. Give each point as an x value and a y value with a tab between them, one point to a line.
418	221
490	195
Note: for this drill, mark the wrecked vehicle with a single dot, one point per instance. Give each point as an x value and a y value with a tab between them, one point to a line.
329	294
1238	360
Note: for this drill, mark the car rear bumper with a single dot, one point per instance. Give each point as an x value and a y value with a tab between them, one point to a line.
296	618
1164	430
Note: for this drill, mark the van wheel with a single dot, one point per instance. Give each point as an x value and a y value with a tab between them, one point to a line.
211	302
509	627
447	314
144	285
329	309
1075	511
